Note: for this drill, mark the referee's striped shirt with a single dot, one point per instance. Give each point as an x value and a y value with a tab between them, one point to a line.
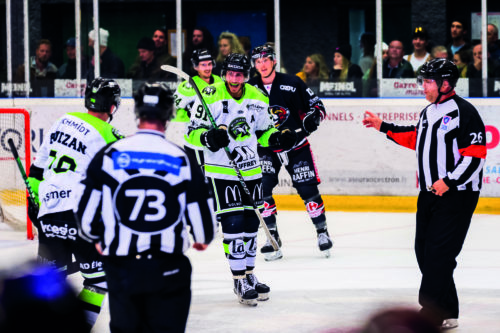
450	143
140	194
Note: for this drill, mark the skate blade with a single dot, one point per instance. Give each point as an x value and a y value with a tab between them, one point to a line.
326	253
271	256
263	297
249	302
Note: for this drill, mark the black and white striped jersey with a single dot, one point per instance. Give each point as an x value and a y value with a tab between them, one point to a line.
450	143
140	194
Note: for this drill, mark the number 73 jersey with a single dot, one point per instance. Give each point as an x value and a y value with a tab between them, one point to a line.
248	122
64	156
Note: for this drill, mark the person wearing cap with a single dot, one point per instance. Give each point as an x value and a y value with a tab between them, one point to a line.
147	67
68	69
420	55
112	66
344	70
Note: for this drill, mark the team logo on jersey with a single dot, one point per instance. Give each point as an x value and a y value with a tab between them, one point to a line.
314	209
280	115
445	122
232	195
209	90
239	129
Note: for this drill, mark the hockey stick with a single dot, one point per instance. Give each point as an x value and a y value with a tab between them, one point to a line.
188	78
73	267
31	195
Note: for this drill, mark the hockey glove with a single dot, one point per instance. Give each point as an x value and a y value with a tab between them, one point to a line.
284	140
32	212
215	139
311	120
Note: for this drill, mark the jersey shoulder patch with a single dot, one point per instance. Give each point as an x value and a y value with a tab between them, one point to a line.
209	90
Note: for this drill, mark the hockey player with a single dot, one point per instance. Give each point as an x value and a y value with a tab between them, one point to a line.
295	106
60	164
203	63
141	196
242	120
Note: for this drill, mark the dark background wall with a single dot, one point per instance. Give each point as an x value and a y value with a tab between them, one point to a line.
317	26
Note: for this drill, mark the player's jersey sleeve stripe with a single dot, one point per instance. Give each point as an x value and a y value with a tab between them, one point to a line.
474	151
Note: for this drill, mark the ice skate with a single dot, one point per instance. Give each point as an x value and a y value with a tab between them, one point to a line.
246	294
268	251
325	243
261	288
448	324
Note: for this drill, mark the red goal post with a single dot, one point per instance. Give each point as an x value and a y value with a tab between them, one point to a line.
15	125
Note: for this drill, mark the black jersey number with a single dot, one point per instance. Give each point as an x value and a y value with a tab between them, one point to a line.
64	163
200	112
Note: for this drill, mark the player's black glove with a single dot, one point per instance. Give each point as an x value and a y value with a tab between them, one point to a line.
32	212
311	120
215	139
284	140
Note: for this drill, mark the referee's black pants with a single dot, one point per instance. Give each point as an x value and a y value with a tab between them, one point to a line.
150	293
442	224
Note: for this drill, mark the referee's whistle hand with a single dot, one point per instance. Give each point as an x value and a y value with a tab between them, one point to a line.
200	246
439	187
372	120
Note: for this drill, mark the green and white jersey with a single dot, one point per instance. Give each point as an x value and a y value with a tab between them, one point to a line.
248	122
63	158
184	98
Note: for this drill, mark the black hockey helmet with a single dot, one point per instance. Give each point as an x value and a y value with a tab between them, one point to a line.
439	69
263	51
237	63
201	55
101	94
154	101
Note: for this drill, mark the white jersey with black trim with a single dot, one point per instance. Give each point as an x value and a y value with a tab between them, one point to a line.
63	157
140	194
247	120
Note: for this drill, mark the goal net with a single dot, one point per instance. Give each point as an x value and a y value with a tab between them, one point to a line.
15	125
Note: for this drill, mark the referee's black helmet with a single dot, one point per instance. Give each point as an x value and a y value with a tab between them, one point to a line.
154	101
439	69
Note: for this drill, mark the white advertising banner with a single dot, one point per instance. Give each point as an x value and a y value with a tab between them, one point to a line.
410	88
351	159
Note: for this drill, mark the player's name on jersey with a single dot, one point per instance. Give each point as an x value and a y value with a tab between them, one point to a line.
68	141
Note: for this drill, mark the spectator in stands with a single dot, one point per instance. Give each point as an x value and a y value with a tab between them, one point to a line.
314	70
370	77
228	43
343	68
458	33
475	71
201	38
493	42
42	71
395	67
246	44
148	68
68	69
161	49
462	58
439	51
420	55
367	44
111	66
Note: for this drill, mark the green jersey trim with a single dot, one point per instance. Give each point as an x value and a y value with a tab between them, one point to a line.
108	132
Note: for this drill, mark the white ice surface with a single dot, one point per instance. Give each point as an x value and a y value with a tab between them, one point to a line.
372	267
